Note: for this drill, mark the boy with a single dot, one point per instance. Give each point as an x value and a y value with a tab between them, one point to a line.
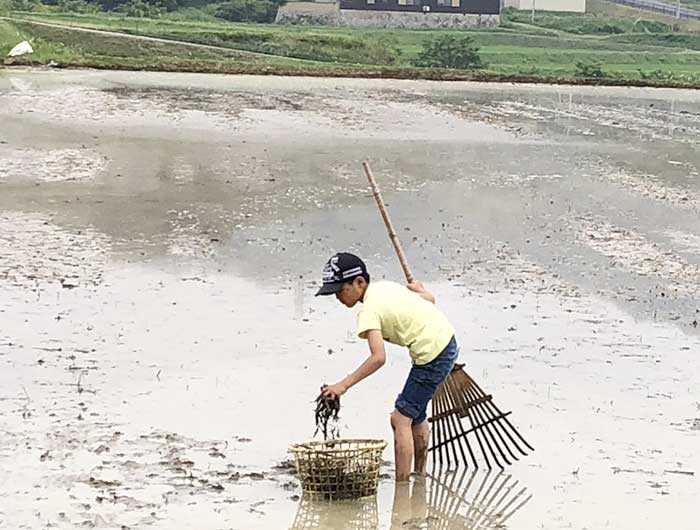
407	317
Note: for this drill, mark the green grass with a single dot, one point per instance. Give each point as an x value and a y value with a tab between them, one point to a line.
69	47
587	24
668	40
609	9
45	50
546	51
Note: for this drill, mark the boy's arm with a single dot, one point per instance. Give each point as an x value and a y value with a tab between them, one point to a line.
417	287
376	360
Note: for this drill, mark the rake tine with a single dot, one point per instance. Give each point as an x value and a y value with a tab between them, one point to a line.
484	426
459	395
501	427
438	423
488	428
493	425
451	435
483	406
455	422
510	428
475	429
500	420
452	392
443	434
482	410
446	435
475	419
434	432
504	418
441	430
507	427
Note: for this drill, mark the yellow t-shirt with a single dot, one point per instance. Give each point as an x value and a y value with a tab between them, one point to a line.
405	319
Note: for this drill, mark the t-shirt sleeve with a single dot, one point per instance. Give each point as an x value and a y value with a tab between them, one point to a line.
367	320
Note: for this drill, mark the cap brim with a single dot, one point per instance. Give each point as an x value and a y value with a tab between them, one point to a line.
330	288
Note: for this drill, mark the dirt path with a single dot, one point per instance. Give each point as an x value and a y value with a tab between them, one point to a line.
243	53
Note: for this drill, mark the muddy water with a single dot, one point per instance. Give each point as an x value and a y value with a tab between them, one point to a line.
160	346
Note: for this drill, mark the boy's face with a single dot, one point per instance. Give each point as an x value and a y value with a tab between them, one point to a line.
352	292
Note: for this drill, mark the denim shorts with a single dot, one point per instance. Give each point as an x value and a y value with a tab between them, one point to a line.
423	380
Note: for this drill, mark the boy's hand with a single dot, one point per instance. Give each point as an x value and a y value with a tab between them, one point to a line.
416	287
334	391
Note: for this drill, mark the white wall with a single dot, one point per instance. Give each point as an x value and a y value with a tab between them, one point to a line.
575	6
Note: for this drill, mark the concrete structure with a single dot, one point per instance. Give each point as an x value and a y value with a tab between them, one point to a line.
571	6
428	14
397	19
313	13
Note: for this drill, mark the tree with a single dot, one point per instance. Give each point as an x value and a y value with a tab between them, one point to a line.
141	9
24	5
449	51
78	6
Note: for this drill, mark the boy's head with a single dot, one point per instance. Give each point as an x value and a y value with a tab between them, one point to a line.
345	276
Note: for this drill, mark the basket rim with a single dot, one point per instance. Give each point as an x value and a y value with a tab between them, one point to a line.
318	446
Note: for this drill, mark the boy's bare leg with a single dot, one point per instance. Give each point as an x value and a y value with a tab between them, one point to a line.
421	439
403	445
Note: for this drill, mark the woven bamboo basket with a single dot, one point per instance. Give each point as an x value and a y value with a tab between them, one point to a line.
339	469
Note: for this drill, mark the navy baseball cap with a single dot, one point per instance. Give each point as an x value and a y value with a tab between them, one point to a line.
339	270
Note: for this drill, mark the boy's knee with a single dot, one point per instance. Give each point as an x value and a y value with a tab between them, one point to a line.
399	421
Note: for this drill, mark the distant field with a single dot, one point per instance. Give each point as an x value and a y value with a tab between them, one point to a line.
554	48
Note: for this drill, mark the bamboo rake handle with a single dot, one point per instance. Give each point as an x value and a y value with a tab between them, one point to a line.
390	228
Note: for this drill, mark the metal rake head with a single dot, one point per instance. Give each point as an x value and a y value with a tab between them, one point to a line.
462	413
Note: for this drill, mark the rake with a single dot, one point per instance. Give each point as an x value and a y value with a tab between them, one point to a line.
465	420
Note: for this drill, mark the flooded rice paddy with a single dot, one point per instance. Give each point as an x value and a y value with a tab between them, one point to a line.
161	237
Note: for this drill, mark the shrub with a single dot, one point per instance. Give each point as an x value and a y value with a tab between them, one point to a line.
589	70
449	51
140	9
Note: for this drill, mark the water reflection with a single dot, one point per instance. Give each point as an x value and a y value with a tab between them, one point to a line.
359	514
457	500
474	500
